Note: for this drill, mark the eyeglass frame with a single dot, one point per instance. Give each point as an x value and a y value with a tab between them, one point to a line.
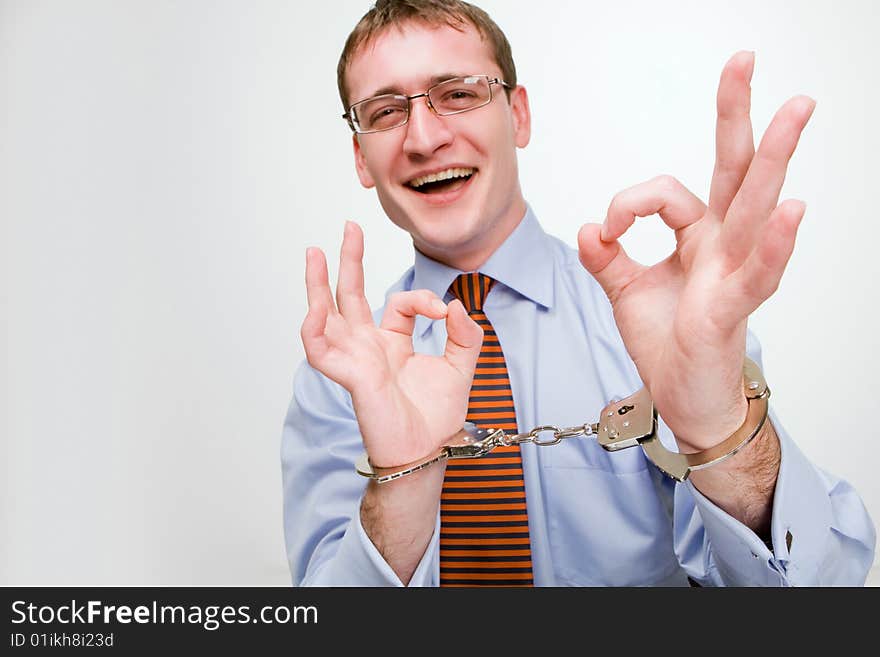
425	94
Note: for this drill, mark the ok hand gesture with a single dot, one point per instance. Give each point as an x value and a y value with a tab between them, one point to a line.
406	403
684	319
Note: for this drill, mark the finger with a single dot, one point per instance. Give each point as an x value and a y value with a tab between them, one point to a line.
606	261
759	276
313	338
760	190
734	143
464	339
320	305
663	195
402	308
350	287
317	282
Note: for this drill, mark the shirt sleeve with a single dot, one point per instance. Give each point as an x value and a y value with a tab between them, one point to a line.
821	532
326	544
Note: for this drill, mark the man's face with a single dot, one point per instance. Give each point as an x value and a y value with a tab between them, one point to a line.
463	220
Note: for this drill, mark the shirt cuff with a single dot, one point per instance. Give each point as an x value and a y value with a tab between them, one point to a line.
358	563
802	516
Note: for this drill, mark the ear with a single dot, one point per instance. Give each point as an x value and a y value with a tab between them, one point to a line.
360	163
522	116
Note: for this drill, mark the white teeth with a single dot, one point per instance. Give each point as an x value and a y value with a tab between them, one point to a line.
442	175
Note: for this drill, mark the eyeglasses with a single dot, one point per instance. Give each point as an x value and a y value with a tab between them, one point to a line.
390	111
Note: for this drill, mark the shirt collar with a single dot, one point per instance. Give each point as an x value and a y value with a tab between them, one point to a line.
523	263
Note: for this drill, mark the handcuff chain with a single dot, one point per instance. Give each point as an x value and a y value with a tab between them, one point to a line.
623	424
559	435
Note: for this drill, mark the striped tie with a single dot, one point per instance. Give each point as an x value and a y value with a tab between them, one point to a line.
484	528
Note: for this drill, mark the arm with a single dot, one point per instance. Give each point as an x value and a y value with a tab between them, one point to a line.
743	487
684	323
405	404
819	532
684	319
399	517
325	538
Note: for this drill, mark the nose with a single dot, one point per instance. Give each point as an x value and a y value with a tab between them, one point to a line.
425	131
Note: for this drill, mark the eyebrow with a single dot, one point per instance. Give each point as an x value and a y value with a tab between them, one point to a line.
436	79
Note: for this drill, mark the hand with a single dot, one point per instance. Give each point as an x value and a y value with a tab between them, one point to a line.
406	404
684	319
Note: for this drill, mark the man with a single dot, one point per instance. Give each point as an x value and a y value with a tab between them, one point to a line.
500	324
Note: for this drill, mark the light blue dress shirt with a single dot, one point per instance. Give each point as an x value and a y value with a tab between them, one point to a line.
595	518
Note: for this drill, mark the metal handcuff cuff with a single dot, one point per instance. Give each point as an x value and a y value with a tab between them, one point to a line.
622	424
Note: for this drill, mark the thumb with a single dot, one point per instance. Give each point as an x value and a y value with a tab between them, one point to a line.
464	339
606	261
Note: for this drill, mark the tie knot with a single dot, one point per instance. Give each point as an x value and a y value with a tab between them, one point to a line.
471	289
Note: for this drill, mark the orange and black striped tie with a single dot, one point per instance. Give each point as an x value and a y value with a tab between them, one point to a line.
484	528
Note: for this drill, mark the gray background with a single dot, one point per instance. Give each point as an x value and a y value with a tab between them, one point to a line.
163	166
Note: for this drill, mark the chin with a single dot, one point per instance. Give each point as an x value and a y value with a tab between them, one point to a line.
450	245
446	227
444	232
439	222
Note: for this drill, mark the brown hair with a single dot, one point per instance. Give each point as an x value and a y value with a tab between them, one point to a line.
454	13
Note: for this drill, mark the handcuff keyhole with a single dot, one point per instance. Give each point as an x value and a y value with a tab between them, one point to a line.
623	410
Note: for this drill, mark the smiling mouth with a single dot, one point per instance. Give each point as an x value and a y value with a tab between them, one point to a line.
442	181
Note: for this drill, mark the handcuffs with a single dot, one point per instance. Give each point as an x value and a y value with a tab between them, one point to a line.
622	424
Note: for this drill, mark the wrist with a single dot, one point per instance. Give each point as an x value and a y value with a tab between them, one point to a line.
700	437
680	465
470	441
